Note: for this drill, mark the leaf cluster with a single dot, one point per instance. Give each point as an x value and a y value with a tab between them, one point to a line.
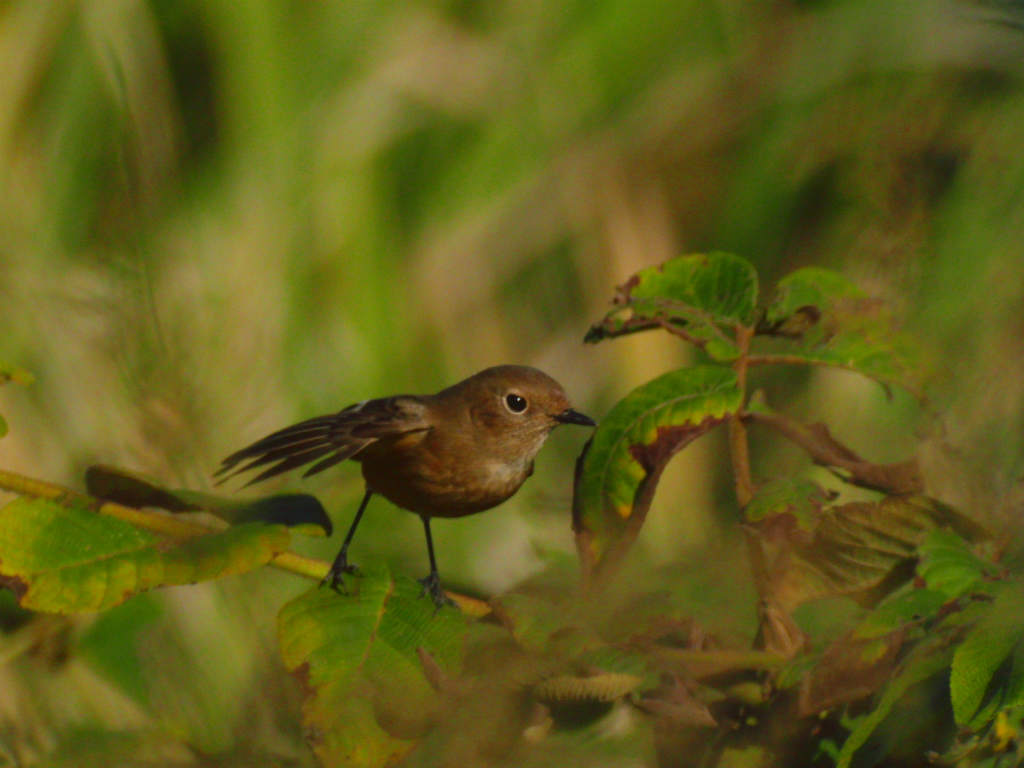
567	670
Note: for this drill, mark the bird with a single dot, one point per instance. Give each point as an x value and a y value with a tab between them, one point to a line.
457	452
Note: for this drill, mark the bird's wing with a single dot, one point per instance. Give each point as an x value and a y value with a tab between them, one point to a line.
328	439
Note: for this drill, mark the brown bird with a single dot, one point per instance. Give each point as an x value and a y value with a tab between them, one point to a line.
460	451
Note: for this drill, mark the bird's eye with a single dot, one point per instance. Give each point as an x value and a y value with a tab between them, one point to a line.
516	403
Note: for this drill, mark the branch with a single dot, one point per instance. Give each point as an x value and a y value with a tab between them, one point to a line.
179	528
168	525
901	478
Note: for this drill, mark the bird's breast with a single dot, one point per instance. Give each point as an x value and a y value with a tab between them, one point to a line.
433	481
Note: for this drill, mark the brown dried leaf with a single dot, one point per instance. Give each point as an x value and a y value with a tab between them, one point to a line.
675	706
861	549
850	669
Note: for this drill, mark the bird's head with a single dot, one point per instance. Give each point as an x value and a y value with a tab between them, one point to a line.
518	404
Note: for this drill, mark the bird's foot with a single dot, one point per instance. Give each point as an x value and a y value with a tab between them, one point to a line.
339	568
432	586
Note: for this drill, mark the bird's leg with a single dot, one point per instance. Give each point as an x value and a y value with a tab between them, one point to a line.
341	566
432	582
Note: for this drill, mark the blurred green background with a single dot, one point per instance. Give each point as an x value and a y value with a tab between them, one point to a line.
221	217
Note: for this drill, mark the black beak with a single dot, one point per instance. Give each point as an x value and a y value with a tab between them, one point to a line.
569	416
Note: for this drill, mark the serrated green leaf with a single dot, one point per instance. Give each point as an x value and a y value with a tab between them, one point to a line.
360	657
704	296
616	475
809	287
829	321
924	662
987	664
301	512
948	565
67	559
720	284
899	609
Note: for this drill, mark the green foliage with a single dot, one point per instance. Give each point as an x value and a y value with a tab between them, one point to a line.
825	319
949	566
362	658
806	548
856	547
625	457
959	633
67	558
988	666
218	211
803	296
908	605
702	297
390	679
930	660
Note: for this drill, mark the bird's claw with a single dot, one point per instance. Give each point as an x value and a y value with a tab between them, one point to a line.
339	568
431	584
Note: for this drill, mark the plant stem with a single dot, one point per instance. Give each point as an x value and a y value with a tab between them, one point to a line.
739	450
738	446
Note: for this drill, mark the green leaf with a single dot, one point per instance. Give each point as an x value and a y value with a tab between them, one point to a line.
948	565
619	469
361	657
828	320
67	559
988	666
701	296
906	606
924	662
299	511
809	290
